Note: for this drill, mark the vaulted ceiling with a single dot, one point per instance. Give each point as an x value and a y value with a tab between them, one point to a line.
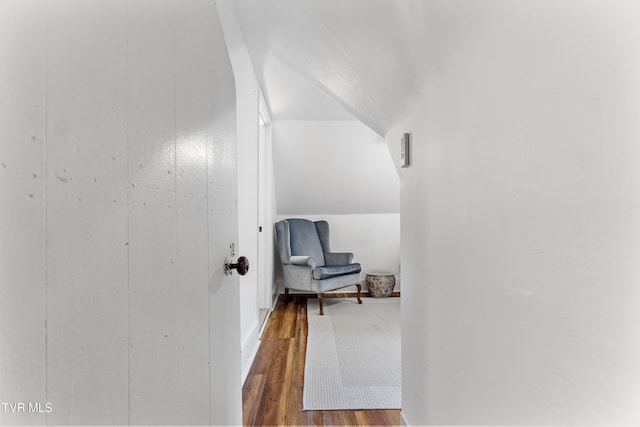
340	60
336	59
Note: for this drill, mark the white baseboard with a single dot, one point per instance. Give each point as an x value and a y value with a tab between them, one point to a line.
274	296
249	349
264	325
403	420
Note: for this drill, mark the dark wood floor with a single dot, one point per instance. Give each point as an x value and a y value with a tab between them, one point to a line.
272	392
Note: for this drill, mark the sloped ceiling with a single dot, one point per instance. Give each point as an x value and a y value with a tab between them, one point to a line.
361	55
291	96
345	60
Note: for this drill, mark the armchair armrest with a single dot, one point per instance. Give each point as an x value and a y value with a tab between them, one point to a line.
338	258
303	260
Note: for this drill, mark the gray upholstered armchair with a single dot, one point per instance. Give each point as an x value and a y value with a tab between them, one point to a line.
307	261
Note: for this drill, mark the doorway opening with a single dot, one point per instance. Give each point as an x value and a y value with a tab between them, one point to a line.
265	232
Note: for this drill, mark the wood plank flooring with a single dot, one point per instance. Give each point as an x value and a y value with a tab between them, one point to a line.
272	392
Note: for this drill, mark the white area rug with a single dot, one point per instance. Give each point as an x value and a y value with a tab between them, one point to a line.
353	355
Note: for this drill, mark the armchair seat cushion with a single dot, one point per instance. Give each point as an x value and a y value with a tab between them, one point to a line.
328	271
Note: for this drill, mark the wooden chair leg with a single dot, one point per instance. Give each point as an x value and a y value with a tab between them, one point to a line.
358	294
320	303
286	294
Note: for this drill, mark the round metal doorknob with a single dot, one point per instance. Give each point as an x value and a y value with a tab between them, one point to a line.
242	266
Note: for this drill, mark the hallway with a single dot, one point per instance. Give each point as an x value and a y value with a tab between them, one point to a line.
129	165
272	392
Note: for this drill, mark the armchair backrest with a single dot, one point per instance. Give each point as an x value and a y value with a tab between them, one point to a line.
301	237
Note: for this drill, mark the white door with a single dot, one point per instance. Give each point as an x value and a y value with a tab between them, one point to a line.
118	205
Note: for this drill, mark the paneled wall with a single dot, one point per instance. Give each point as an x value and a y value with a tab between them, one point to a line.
23	252
117	127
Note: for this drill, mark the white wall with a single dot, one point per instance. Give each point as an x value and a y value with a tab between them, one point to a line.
521	217
248	109
117	153
333	167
